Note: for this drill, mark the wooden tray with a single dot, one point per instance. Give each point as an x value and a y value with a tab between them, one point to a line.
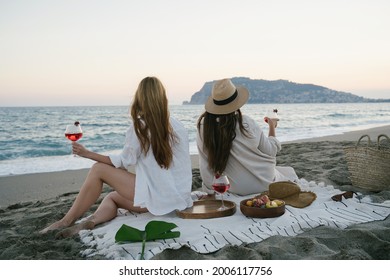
206	209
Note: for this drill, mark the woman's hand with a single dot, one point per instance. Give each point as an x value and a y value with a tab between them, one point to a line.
79	149
271	122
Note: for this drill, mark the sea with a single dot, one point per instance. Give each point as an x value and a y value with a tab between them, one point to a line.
32	139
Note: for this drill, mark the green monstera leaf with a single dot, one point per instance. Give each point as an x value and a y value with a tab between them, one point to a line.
153	230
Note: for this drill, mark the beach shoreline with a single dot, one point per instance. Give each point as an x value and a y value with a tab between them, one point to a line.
353	135
29	202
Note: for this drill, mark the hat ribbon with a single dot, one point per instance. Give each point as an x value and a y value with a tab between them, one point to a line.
227	100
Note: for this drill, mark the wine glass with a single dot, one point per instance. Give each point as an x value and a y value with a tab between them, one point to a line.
73	132
272	114
221	184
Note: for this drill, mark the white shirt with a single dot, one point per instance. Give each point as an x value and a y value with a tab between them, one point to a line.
251	165
159	190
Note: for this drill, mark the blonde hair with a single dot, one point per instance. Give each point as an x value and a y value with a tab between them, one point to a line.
150	115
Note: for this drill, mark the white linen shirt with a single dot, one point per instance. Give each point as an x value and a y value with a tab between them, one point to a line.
251	165
160	190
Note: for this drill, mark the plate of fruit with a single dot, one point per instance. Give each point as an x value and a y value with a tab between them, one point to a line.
262	206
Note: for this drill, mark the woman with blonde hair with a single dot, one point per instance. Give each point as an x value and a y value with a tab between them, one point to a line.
157	145
234	144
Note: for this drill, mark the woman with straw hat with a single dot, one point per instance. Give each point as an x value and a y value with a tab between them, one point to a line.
234	144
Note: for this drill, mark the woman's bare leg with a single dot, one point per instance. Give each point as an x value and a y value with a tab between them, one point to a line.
120	180
106	211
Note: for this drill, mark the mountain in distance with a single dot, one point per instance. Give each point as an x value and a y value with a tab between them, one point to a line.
283	91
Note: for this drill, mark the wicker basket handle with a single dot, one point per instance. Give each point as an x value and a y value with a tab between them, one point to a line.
361	137
382	135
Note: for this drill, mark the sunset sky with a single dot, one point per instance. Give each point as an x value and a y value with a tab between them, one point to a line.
91	52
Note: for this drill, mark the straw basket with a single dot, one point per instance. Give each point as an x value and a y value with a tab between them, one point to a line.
369	166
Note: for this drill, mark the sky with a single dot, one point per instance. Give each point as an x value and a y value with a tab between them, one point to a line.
84	52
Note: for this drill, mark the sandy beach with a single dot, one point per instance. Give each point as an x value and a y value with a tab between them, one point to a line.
30	202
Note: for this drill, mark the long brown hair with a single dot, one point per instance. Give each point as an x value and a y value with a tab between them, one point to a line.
219	131
150	115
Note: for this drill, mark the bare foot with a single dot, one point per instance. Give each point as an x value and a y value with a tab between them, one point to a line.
73	230
54	226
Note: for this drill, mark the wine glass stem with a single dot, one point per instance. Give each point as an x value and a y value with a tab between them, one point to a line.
74	155
223	205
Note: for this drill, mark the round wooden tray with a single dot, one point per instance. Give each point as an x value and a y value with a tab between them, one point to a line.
206	209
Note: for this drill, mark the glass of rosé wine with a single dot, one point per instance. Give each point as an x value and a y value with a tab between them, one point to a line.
220	185
73	132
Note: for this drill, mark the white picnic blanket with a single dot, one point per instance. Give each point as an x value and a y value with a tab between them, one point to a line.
210	235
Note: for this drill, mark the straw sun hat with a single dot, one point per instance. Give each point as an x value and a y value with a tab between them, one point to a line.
291	194
226	98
